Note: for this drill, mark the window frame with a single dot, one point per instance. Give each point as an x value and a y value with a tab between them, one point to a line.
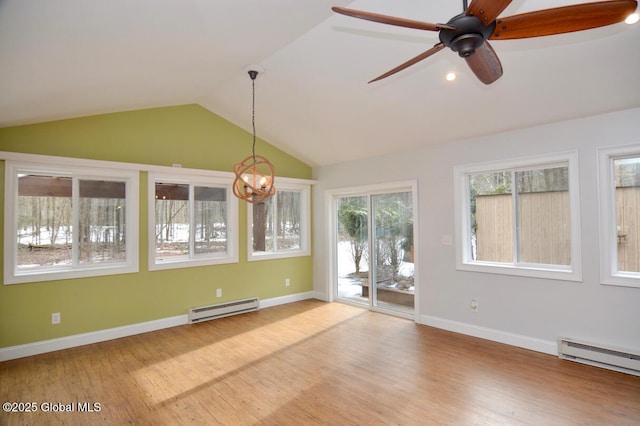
77	171
305	224
193	259
464	261
609	274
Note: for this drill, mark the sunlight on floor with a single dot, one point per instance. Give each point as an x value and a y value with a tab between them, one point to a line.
203	369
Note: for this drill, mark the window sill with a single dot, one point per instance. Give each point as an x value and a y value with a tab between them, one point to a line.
278	255
64	274
629	279
522	271
190	263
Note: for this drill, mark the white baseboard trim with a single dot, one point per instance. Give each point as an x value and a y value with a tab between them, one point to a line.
538	345
28	349
321	295
44	346
290	298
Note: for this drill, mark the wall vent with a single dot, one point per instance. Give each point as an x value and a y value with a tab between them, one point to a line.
226	309
603	356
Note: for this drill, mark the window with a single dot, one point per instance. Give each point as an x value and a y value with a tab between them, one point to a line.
280	226
69	222
193	221
520	217
620	215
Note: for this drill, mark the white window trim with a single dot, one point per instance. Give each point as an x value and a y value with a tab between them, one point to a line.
462	207
131	179
305	223
179	177
609	273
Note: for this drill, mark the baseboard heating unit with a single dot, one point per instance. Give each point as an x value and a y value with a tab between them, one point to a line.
603	356
205	313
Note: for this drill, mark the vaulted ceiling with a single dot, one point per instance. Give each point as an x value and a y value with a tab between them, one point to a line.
71	58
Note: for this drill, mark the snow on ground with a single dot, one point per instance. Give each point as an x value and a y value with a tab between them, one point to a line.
348	285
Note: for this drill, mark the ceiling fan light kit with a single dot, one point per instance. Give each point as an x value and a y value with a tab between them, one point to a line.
468	34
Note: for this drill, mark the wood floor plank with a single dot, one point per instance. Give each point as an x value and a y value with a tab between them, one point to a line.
313	363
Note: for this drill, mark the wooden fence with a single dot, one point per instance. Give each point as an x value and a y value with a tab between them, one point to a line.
545	228
628	208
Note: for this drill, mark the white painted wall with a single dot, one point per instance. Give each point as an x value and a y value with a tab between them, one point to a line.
527	312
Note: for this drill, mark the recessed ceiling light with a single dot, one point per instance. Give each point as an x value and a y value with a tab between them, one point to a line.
451	76
632	19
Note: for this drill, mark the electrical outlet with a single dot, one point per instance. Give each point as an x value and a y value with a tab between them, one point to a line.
474	305
287	282
219	292
55	318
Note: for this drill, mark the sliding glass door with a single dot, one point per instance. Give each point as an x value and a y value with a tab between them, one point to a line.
352	249
375	250
392	265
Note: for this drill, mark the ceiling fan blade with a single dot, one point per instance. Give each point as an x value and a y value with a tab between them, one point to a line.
391	20
561	20
487	10
485	64
438	47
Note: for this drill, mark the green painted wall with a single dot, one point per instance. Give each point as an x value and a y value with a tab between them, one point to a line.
189	135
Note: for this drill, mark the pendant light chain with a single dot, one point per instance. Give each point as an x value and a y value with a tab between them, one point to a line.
253	117
253	111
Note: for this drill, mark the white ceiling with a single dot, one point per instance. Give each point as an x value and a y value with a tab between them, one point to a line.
71	58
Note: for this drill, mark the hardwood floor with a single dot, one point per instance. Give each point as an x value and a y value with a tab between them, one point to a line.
313	363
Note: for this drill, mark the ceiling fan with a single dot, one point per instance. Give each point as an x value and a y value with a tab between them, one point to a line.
468	33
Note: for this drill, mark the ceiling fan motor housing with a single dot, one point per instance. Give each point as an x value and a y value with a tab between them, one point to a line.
469	34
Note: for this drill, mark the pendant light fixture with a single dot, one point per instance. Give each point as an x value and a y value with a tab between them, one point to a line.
254	174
